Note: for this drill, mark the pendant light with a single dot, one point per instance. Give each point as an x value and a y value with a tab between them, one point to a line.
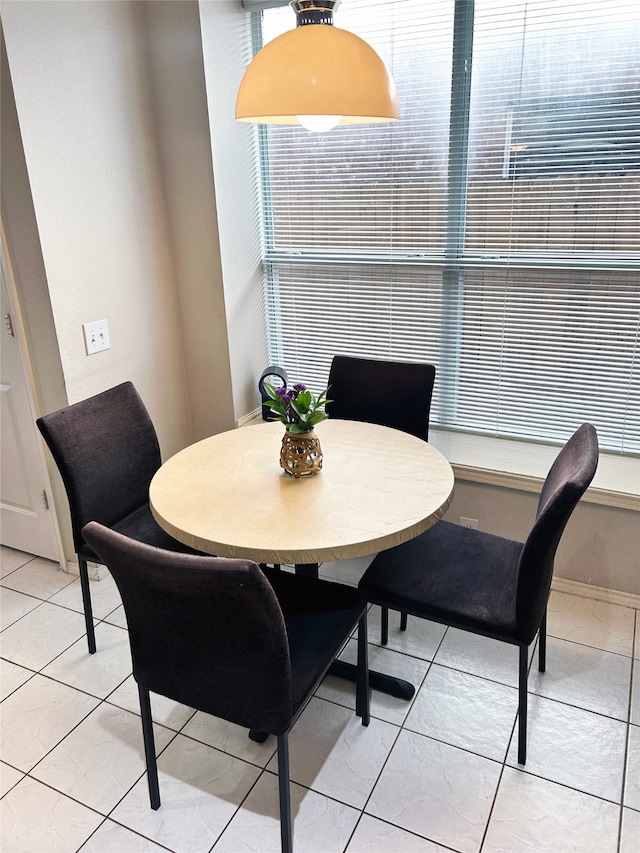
317	75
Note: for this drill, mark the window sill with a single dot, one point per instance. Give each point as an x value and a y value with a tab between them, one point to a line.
525	483
524	465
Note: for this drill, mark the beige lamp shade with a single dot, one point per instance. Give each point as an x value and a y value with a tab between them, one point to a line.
317	70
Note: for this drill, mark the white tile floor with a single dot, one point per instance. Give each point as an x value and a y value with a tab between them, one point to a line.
436	774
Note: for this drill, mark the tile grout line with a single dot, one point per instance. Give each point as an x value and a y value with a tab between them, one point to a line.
636	629
401	727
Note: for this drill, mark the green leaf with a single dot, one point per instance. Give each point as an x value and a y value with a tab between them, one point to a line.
303	401
317	417
296	407
270	389
299	415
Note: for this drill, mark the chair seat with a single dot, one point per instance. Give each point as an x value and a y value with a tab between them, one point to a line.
453	575
142	526
315	613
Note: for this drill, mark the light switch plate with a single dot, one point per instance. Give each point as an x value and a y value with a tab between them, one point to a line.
96	336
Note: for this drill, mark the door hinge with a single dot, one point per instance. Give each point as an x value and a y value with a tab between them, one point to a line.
9	324
45	499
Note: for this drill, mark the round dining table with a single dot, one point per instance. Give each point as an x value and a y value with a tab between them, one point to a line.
378	487
227	495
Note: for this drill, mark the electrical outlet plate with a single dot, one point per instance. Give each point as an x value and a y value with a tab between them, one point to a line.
96	336
471	523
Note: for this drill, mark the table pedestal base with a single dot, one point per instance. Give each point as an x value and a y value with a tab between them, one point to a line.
377	680
342	669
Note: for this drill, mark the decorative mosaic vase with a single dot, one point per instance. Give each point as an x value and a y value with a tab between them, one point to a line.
301	455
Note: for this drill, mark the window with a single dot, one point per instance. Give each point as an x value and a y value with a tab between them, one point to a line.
492	231
554	136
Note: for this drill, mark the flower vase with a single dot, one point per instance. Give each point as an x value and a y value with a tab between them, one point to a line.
301	455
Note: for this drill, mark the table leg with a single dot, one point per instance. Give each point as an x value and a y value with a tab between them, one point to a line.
341	669
307	570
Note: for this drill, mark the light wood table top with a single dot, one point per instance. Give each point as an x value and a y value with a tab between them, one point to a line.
227	495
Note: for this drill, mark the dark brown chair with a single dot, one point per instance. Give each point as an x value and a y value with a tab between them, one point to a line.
226	638
483	583
394	394
107	452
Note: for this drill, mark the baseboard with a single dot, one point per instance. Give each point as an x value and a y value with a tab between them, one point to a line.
95	570
601	593
253	417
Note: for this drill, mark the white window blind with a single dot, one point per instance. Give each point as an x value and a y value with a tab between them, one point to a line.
492	231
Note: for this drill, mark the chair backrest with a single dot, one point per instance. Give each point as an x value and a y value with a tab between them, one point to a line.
107	452
390	393
205	631
566	482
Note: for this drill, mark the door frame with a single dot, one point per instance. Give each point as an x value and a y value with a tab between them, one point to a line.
13	297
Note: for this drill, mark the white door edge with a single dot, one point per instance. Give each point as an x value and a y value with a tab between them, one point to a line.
23	349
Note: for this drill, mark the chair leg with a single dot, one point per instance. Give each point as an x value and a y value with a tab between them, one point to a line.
284	789
362	675
403	621
542	643
384	626
522	705
86	603
257	736
149	747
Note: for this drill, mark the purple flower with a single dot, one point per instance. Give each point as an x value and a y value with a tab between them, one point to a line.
297	407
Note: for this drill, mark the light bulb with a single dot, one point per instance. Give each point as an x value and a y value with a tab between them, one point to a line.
318	124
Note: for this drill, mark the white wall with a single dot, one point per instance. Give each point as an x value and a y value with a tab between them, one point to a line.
83	105
173	43
24	256
227	50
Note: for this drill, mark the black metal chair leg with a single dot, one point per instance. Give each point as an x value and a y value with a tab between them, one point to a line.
522	705
542	643
86	603
403	621
149	747
284	790
384	626
362	677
